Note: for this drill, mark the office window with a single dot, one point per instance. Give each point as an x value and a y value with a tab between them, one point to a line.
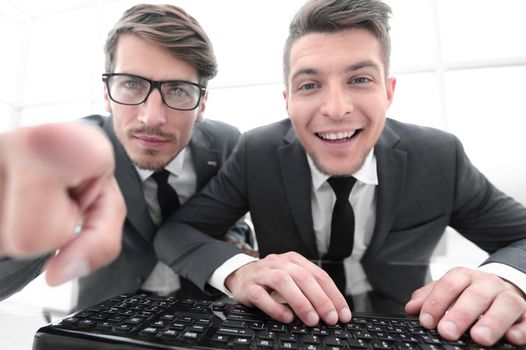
479	30
61	51
486	110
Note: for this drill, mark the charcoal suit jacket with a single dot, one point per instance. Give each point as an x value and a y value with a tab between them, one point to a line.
426	183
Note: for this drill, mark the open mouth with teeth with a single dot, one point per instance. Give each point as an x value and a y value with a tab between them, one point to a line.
341	136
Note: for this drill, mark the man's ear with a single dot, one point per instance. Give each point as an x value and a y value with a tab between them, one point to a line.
107	101
202	107
286	97
390	86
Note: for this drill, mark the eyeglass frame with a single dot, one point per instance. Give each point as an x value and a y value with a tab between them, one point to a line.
154	84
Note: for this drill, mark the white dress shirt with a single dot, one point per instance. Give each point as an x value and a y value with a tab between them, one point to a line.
162	279
363	201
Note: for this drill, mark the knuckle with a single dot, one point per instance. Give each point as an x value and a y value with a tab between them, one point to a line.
302	309
461	315
324	304
278	278
494	280
452	281
271	258
300	275
457	270
255	294
482	295
513	299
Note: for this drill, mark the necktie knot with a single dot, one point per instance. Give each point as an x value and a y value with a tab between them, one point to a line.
342	187
161	177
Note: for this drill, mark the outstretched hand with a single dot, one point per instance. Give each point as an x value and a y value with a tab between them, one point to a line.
464	298
55	178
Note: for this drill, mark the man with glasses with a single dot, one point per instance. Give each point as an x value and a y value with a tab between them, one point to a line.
158	63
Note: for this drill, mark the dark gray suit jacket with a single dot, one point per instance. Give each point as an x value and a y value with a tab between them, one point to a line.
211	143
426	183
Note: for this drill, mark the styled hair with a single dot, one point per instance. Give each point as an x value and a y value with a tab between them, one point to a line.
170	27
330	16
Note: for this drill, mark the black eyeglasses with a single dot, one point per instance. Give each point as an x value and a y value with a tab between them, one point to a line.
130	89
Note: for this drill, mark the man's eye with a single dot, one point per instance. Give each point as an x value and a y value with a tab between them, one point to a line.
360	80
179	92
130	84
308	86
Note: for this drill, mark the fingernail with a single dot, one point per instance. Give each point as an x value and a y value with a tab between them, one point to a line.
312	318
450	328
426	320
332	317
345	314
485	333
74	269
288	317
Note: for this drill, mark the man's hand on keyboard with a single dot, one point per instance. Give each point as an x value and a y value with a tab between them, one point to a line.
54	178
464	297
306	288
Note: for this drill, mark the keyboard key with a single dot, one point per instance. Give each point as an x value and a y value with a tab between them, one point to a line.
310	339
220	338
288	345
190	335
236	332
264	343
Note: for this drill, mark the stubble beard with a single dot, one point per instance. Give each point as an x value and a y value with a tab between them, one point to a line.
325	171
148	160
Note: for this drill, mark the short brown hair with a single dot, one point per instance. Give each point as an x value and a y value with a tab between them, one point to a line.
170	27
328	16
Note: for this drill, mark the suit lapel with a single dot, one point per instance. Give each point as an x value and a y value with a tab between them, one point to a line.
391	165
297	184
206	160
130	185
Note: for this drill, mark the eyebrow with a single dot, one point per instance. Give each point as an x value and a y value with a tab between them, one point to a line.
349	69
363	64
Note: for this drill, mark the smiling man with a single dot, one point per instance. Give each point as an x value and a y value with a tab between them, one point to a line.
341	187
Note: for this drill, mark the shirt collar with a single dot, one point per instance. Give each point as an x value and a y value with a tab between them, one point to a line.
174	167
367	174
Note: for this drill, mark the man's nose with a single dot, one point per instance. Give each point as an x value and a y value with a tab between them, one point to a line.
337	102
153	111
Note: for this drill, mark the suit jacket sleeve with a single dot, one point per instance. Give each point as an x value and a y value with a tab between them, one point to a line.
488	217
16	274
181	243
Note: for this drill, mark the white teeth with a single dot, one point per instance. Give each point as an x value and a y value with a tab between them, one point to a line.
333	136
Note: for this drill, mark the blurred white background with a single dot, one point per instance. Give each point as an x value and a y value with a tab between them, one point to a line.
460	65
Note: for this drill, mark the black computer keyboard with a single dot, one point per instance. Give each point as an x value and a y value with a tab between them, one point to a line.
144	321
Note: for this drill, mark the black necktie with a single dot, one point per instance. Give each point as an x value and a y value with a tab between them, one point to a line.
342	230
166	195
